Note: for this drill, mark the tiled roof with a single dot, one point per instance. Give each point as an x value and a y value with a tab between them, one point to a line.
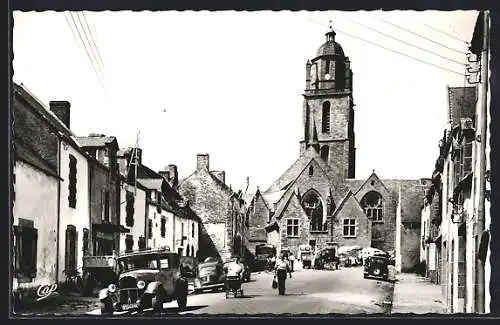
289	175
151	183
95	141
462	103
24	153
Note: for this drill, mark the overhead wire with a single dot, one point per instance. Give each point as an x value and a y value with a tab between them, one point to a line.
93	38
445	33
89	43
388	49
417	34
402	41
79	39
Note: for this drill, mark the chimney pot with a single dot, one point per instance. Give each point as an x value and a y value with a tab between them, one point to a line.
62	110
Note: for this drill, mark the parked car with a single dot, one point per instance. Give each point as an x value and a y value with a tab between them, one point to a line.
263	253
210	275
377	266
147	278
326	258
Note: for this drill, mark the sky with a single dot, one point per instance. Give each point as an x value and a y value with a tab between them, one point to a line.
230	84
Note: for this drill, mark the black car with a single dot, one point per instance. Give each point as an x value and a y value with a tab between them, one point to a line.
377	266
327	259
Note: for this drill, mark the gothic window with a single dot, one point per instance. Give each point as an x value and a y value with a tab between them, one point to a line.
314	209
349	228
325	151
325	121
72	182
311	171
372	204
292	227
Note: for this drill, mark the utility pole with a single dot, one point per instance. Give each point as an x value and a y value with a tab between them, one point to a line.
483	96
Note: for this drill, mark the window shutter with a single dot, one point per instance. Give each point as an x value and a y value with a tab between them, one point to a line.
18	250
129	220
34	240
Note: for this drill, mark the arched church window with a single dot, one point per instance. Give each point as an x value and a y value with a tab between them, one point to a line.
325	151
313	207
325	121
372	204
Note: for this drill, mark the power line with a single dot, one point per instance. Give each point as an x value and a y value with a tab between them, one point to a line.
90	46
445	33
404	42
388	49
85	48
417	34
93	39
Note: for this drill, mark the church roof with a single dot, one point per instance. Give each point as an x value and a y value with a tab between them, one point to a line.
330	48
349	195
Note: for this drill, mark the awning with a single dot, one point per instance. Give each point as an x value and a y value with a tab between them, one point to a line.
109	228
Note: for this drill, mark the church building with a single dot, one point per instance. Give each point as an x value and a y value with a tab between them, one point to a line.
317	200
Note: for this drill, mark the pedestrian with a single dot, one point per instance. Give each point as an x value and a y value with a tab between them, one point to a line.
291	258
281	269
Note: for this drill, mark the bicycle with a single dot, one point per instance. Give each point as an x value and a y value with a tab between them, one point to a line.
73	281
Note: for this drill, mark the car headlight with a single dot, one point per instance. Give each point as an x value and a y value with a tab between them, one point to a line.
141	284
112	287
111	262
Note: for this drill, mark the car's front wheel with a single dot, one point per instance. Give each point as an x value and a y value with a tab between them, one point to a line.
106	308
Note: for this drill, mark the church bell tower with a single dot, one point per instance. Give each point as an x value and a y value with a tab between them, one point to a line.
328	112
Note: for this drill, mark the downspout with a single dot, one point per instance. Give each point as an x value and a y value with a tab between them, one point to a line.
89	186
58	205
480	287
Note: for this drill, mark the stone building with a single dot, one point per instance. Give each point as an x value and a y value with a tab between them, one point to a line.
221	210
317	200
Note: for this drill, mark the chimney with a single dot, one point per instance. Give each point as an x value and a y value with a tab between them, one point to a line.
202	162
62	110
221	175
174	176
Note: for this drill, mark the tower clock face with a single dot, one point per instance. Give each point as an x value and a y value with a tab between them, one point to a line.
327	76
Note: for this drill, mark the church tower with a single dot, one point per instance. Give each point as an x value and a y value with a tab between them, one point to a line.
328	112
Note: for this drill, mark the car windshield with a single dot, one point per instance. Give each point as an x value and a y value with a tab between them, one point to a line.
147	261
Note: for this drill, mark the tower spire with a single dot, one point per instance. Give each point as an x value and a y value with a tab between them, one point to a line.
330	35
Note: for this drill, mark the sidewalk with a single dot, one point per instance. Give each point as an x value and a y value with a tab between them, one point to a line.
415	294
58	304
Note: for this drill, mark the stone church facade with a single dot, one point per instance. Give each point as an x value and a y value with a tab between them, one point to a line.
317	200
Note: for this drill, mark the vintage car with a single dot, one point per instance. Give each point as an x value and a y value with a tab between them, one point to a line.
263	253
210	275
147	279
377	266
326	259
